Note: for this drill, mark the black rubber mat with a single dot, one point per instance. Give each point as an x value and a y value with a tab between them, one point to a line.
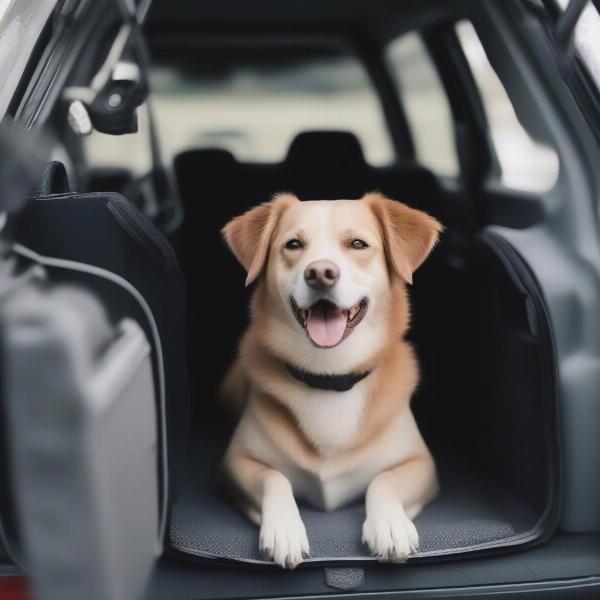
471	514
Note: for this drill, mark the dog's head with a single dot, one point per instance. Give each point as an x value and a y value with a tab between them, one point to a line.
329	267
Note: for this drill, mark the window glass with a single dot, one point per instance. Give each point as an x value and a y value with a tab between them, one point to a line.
425	103
587	36
131	151
21	24
525	164
254	101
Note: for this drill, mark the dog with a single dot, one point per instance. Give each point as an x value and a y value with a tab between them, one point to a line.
324	376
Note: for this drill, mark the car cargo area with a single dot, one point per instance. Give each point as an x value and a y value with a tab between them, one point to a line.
486	404
158	159
322	113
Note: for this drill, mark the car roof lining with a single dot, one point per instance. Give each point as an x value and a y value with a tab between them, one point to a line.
383	19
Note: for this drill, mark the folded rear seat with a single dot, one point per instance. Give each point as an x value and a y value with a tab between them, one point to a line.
318	165
326	165
101	239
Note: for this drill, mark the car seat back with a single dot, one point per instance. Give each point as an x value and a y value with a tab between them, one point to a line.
108	235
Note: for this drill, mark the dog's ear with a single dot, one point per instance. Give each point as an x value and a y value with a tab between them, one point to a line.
408	234
249	235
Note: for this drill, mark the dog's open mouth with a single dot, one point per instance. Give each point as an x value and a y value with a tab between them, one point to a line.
326	324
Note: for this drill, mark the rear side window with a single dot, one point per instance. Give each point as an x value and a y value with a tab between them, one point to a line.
425	103
525	164
21	26
130	152
254	100
587	37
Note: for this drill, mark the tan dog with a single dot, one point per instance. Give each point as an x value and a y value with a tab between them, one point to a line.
324	376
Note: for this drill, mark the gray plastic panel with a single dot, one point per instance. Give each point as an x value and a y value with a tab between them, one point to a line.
563	250
559	567
82	425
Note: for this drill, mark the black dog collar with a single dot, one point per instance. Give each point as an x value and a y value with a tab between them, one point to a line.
320	381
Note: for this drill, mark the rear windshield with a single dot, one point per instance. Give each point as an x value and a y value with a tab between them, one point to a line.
253	101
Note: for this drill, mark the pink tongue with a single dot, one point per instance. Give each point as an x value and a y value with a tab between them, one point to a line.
326	325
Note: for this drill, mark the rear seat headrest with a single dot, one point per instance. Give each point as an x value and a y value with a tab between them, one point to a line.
207	156
54	180
326	150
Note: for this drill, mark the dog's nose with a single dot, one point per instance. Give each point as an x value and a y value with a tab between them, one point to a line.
321	274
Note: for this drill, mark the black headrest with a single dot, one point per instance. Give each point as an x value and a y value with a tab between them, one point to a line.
203	159
324	150
54	180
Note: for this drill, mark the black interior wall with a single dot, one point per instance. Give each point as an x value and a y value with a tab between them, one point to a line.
443	332
516	408
475	329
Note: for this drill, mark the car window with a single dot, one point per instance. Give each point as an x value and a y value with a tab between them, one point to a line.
425	102
21	24
254	101
525	164
131	152
587	36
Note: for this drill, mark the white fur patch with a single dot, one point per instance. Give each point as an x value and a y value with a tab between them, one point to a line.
389	533
330	420
283	536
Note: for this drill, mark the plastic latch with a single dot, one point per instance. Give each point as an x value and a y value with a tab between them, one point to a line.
344	579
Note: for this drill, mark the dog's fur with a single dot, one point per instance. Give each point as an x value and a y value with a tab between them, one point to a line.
328	447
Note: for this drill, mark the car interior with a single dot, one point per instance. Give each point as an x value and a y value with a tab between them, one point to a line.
239	101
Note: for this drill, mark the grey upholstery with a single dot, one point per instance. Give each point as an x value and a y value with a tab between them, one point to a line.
472	513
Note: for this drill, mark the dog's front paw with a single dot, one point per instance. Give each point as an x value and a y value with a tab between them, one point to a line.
390	534
283	538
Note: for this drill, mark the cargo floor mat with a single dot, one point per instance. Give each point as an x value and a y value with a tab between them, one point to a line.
471	513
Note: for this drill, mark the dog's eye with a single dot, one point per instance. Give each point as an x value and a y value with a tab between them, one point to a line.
294	244
358	244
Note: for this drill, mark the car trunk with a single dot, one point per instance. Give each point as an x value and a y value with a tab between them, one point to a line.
486	404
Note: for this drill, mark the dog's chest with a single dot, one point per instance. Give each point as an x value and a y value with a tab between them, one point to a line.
341	475
327	489
331	420
344	477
